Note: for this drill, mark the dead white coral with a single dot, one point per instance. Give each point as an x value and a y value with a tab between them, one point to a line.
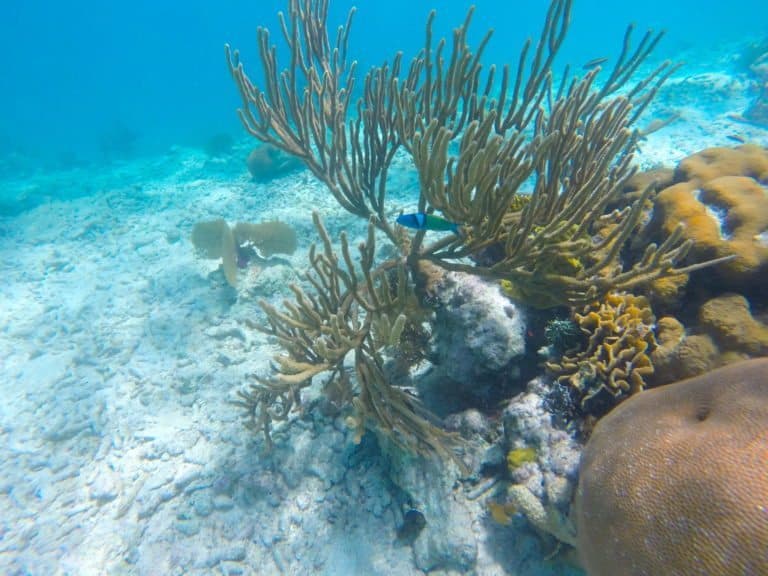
546	518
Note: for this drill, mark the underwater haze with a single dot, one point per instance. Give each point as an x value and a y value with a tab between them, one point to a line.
80	76
258	322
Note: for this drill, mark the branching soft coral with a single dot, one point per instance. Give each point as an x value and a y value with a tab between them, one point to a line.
349	311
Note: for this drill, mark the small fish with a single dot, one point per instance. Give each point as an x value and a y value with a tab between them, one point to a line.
736	138
422	221
502	513
594	63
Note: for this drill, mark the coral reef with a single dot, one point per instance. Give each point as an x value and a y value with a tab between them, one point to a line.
717	199
617	358
748	160
723	216
215	239
473	150
266	162
478	334
679	355
347	311
725	332
728	319
673	480
579	133
544	462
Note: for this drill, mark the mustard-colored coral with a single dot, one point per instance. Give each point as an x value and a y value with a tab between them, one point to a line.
616	359
720	201
729	321
502	513
519	456
747	160
726	332
668	290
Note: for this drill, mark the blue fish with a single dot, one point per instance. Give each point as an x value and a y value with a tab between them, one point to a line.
422	221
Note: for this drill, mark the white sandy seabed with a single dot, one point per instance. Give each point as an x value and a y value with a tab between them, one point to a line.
119	352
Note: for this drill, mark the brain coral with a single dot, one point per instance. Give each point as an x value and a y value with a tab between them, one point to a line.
675	480
747	160
719	196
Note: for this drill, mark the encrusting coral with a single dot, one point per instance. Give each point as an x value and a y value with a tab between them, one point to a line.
519	456
725	332
728	319
616	360
673	481
680	355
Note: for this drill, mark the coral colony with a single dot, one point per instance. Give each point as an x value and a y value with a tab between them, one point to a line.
537	183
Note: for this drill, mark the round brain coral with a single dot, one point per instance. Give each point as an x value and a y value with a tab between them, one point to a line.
675	480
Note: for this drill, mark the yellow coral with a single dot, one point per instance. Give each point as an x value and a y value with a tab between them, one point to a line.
746	160
519	456
617	356
726	332
667	290
723	207
518	202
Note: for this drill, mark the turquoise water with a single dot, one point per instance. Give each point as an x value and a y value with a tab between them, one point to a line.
125	338
76	74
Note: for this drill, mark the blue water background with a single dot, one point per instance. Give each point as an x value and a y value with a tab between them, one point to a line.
77	74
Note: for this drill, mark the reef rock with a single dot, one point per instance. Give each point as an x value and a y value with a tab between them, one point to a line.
478	332
673	481
446	540
542	488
